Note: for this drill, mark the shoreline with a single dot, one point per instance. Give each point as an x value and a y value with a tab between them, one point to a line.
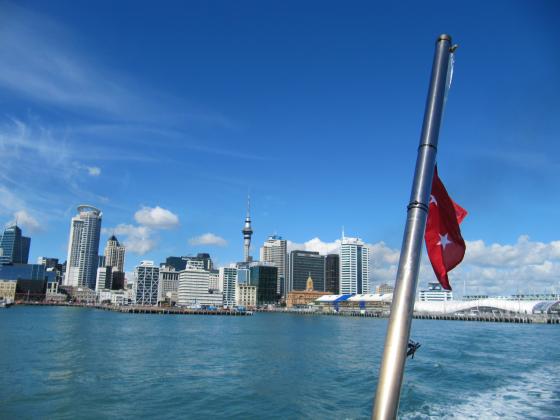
162	310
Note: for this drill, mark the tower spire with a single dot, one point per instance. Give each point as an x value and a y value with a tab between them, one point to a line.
247	232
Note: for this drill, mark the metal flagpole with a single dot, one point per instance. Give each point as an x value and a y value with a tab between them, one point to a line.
398	332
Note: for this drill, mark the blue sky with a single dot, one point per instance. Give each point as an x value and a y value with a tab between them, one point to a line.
165	117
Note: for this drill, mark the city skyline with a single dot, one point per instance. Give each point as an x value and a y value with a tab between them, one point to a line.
293	103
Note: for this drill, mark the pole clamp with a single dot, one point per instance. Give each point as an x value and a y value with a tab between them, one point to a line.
417	205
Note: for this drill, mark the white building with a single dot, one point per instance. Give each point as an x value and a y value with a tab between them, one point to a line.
194	289
114	254
168	284
228	282
274	251
354	266
83	248
104	279
435	293
246	295
214	279
147	279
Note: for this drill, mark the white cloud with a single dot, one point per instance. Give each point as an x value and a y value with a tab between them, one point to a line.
25	220
208	239
137	239
156	218
316	245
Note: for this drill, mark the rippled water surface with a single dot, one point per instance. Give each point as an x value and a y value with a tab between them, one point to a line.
83	363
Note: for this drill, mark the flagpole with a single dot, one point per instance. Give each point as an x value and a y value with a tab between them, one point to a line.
398	331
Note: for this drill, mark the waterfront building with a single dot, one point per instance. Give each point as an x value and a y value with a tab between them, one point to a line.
83	248
31	280
104	279
147	279
247	232
194	289
53	293
354	266
8	290
264	277
214	280
384	288
114	254
14	248
80	294
435	293
246	295
304	264
305	297
274	251
168	285
228	282
332	273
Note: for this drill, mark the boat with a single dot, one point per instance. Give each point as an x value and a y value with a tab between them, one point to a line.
4	303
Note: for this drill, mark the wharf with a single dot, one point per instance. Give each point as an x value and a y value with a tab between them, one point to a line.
133	309
512	319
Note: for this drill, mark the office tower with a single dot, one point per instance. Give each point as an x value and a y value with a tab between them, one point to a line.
201	260
104	279
83	247
52	264
168	284
147	279
243	273
228	282
118	280
264	277
274	251
332	273
101	261
195	291
354	266
247	233
114	254
14	248
304	264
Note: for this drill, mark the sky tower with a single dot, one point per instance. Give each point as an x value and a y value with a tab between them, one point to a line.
247	232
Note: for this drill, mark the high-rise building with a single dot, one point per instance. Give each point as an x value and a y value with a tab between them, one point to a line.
52	264
114	254
104	279
304	264
168	284
147	280
194	289
247	233
228	282
274	251
83	247
354	266
264	277
332	273
14	248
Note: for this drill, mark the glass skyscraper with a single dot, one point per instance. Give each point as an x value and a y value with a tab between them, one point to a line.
354	266
14	248
304	264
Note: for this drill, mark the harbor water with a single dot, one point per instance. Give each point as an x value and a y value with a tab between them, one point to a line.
64	362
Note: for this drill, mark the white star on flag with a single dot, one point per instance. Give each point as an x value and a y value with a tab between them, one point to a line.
444	241
433	200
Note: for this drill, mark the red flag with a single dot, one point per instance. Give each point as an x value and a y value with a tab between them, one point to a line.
446	247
